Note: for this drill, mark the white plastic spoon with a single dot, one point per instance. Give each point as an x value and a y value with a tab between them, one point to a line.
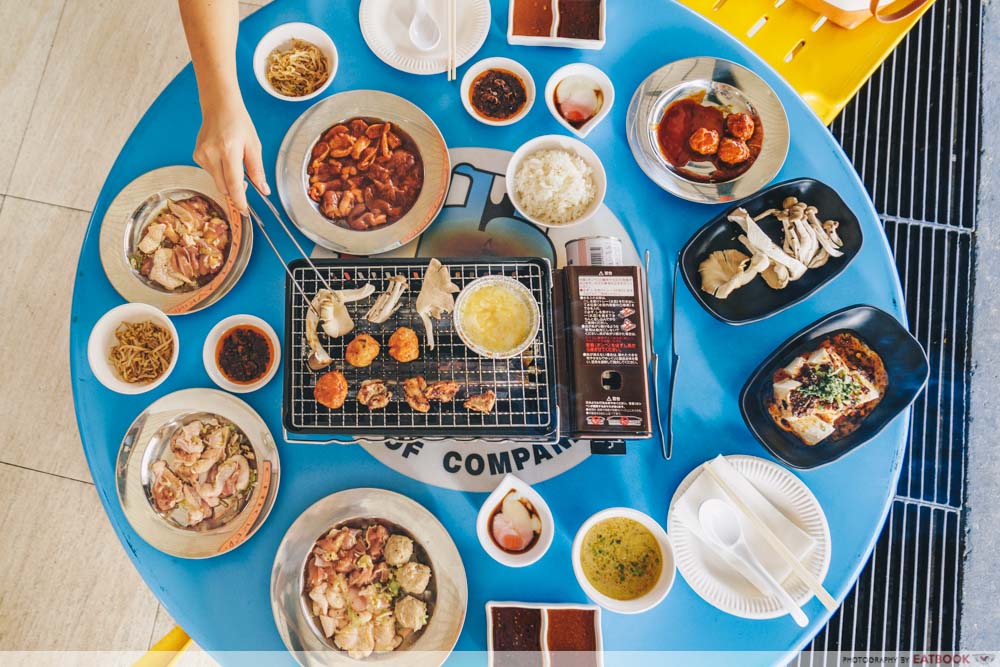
721	525
424	31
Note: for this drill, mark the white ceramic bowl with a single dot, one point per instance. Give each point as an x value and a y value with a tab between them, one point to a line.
102	339
516	286
663	584
498	63
598	77
282	36
212	340
508	483
567	143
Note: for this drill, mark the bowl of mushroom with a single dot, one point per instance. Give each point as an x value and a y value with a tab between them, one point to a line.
771	251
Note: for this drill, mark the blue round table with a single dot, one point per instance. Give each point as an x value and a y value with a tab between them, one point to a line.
223	602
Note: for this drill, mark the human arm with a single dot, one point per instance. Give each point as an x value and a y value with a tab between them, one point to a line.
227	140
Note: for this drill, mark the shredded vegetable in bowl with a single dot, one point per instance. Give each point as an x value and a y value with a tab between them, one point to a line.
298	70
143	352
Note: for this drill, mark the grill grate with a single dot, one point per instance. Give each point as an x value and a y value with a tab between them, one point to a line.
526	393
922	171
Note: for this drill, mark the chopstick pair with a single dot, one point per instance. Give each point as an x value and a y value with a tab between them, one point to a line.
452	38
798	568
667	439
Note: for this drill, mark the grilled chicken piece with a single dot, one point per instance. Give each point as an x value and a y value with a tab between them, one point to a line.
482	402
442	390
374	394
413	389
435	299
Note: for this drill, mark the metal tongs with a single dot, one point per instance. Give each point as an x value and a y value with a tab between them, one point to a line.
666	443
288	233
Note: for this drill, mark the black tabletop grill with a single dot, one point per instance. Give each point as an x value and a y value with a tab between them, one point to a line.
527	401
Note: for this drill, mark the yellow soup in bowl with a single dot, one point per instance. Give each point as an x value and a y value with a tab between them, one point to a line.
498	317
621	558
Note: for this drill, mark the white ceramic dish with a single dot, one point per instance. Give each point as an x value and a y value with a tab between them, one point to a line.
102	339
663	584
385	25
507	484
549	141
544	628
281	37
498	63
516	286
715	580
212	341
598	77
552	39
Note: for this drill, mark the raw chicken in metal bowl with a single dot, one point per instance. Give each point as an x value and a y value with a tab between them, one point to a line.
369	587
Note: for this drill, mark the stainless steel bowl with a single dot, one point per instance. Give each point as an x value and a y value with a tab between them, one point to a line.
296	151
292	618
724	84
144	442
126	219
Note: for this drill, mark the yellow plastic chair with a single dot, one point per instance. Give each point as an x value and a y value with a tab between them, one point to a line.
167	651
825	63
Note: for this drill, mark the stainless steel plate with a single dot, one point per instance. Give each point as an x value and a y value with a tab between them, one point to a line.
293	619
135	206
725	84
296	149
143	443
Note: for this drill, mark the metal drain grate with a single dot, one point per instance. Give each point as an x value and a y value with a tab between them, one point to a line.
913	134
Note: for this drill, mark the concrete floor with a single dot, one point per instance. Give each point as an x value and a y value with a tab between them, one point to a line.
980	610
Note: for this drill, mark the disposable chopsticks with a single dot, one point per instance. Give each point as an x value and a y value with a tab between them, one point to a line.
800	571
452	30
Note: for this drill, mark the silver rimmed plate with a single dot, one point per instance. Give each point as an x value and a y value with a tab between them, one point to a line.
148	440
724	84
292	617
137	205
296	150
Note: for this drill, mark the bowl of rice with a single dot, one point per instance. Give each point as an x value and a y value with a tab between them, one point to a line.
556	181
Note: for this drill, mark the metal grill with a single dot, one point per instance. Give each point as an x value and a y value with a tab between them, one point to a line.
913	134
525	386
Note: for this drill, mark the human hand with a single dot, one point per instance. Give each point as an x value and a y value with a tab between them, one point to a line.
226	143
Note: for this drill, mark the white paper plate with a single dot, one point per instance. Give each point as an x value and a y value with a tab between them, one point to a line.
721	586
385	25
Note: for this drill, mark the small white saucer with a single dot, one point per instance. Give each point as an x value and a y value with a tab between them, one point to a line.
385	25
498	63
212	340
102	339
598	77
282	36
523	559
719	583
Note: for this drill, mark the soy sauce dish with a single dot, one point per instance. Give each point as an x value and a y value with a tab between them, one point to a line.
241	353
515	525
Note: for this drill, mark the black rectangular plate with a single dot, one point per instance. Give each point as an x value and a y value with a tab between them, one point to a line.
905	363
756	301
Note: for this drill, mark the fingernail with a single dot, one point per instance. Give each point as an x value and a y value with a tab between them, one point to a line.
267	189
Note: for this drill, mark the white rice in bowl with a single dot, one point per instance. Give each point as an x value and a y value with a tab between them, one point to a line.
554	186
